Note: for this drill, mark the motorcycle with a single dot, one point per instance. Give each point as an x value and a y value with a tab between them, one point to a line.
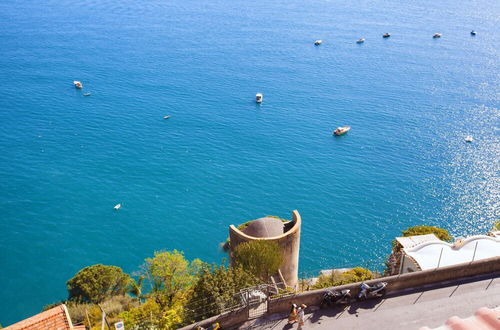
331	298
376	291
214	326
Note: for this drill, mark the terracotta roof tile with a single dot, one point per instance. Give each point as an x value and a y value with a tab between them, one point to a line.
52	319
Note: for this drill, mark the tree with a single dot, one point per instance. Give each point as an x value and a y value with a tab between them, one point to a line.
215	289
262	258
357	274
171	274
135	287
97	283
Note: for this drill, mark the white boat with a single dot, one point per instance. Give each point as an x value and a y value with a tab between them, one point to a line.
166	117
341	130
117	206
360	40
469	138
318	42
77	84
259	98
386	35
86	94
437	35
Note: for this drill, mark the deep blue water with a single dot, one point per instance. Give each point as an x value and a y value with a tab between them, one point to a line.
66	159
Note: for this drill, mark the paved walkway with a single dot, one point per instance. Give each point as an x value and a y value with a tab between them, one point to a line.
428	306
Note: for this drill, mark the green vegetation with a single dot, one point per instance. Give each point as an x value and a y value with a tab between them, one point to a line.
169	292
135	287
357	274
440	233
98	282
496	226
216	287
171	274
261	258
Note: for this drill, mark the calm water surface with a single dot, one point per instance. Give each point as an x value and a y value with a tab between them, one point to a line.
66	160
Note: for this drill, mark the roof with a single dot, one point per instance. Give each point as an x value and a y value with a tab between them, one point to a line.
484	318
429	255
411	241
265	227
56	318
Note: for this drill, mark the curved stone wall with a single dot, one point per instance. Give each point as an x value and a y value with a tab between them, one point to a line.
288	241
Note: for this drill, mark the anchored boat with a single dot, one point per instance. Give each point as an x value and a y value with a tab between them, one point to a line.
77	84
259	98
341	130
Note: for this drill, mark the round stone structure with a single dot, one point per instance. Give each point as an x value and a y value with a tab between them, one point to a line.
286	234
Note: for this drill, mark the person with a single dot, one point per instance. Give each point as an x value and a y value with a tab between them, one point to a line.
301	315
293	314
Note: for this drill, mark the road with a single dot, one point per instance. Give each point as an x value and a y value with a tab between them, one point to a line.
411	309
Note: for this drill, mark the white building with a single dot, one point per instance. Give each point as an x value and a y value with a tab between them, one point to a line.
424	252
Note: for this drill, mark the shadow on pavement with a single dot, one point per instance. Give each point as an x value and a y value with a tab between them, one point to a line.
329	312
367	304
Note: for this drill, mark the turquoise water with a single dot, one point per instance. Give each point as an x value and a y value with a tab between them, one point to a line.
221	159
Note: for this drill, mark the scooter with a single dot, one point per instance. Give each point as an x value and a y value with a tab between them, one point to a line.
376	291
331	298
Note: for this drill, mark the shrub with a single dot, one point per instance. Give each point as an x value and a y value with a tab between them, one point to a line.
261	258
440	233
151	316
357	274
216	288
496	226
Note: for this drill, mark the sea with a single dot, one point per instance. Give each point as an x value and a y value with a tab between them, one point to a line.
67	159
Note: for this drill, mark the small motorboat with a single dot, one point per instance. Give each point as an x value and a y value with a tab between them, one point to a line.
386	35
259	97
341	130
360	40
117	206
86	94
437	35
318	42
469	138
473	33
77	84
167	117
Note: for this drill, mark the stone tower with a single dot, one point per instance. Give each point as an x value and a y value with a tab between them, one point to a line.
286	234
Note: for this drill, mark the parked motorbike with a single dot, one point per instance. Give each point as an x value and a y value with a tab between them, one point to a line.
331	298
214	326
375	291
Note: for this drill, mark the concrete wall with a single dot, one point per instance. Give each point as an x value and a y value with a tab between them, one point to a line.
395	283
289	243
